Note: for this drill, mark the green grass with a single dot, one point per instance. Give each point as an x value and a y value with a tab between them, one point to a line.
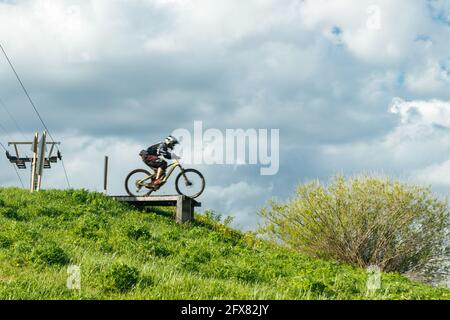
128	254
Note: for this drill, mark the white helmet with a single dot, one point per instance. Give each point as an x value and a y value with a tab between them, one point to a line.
171	141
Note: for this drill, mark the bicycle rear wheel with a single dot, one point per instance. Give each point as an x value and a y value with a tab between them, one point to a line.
132	185
190	183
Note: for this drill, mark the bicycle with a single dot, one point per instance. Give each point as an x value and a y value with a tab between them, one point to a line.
142	181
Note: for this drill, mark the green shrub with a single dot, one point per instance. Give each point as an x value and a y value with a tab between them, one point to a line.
50	254
194	258
160	250
121	277
50	211
5	242
90	225
246	273
146	282
364	221
138	232
12	213
104	246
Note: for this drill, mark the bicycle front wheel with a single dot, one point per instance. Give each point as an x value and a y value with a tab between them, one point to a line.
190	183
134	187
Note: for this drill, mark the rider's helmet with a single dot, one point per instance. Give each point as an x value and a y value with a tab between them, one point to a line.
171	141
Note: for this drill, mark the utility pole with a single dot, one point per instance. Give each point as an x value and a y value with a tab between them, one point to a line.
40	160
34	161
105	176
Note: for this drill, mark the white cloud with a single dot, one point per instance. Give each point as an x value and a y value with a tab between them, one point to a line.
237	191
238	200
436	174
162	44
379	31
416	149
375	86
52	32
422	113
427	125
429	78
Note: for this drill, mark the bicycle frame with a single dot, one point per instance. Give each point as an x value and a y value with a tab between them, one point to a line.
170	169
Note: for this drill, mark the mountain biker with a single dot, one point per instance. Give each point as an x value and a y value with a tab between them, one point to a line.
154	157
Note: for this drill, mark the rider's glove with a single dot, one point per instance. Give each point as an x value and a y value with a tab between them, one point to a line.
173	156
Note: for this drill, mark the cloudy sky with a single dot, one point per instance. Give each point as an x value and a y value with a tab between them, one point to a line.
353	86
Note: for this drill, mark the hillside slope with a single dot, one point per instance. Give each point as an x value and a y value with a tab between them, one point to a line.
128	254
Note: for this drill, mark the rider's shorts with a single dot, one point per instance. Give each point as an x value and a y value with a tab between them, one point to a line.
160	163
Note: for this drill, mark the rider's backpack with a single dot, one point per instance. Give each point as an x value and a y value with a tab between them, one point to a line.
147	156
143	154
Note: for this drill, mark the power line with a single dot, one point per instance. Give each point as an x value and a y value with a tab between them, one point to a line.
26	92
65	172
18	176
35	109
2	103
15	169
7	133
4	129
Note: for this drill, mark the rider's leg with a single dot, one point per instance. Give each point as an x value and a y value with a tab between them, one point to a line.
160	173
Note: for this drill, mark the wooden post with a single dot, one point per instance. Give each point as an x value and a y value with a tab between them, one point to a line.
34	162
41	160
185	210
105	176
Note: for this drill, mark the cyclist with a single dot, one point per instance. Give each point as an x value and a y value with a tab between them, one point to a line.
154	157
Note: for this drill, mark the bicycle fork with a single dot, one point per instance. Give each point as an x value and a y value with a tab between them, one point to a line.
188	183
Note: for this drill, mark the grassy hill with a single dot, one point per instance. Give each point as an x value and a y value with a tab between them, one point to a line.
128	254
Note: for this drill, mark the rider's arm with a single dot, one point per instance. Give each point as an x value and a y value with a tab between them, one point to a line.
163	151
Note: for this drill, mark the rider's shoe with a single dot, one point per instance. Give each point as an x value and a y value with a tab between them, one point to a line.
157	182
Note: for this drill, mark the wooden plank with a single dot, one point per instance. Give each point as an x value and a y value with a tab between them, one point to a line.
184	205
171	199
30	143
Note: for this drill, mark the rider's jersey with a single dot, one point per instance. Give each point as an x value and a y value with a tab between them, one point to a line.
160	150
